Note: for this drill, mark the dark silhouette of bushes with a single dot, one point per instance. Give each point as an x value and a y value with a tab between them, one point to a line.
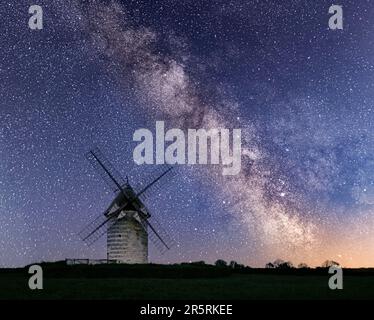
220	263
279	264
329	263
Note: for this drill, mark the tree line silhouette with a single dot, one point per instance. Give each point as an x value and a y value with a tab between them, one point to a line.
277	264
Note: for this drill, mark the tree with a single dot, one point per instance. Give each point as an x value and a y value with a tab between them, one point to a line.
221	263
280	264
330	263
285	265
199	263
235	265
303	265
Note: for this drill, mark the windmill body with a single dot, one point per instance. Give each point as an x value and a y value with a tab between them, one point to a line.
127	241
127	238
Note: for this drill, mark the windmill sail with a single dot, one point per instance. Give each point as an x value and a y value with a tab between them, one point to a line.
157	234
96	228
154	181
105	169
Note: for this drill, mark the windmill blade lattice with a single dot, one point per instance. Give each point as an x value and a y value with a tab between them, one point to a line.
162	233
154	181
105	169
95	229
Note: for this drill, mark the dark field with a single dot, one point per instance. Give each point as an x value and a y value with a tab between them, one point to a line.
184	282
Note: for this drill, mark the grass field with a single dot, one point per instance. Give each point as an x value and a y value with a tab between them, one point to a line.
230	286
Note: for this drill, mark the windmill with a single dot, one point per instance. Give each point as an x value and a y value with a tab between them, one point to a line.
127	222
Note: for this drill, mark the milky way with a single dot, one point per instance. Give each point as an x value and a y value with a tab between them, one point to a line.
282	225
305	192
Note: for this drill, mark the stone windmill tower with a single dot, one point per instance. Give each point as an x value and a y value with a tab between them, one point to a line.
127	222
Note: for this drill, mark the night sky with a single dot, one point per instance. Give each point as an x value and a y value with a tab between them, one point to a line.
302	94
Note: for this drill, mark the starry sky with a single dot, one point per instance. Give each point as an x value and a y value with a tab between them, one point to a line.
302	94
